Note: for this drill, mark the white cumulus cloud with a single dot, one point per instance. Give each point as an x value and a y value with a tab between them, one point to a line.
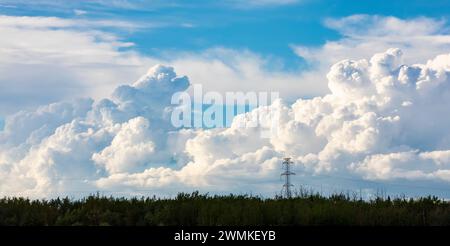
382	118
384	121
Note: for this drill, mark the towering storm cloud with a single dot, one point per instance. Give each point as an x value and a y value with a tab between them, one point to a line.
384	121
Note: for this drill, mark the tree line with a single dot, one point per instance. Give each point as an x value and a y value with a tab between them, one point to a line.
203	209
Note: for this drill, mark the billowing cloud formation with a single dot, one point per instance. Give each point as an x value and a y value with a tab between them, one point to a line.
383	121
363	35
67	145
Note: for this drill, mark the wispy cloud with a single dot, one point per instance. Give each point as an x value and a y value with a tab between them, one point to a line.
80	12
259	3
8	6
55	22
61	57
149	5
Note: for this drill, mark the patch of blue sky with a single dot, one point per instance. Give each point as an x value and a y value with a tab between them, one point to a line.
223	113
198	25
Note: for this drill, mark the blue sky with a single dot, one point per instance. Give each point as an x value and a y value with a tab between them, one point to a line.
268	28
359	112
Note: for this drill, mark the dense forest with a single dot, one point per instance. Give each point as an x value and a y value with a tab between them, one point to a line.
203	209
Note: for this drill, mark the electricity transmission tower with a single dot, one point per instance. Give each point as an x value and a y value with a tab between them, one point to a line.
286	192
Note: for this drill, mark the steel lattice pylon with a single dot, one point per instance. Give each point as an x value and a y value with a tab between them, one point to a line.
286	165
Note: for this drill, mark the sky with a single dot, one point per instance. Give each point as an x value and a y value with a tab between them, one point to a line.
363	85
167	30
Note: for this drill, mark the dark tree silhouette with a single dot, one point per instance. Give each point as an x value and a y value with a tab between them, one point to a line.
305	208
